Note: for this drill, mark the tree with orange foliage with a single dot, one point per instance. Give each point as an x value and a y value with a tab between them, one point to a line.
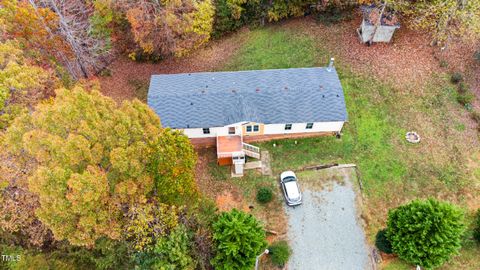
162	28
58	29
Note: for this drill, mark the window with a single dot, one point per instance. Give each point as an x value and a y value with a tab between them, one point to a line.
309	126
231	130
288	126
252	128
206	131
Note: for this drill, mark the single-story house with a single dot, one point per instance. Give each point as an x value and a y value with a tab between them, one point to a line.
233	108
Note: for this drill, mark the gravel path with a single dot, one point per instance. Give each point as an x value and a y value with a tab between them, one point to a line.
324	232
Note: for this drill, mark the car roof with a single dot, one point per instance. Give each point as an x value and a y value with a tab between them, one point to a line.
292	190
287	174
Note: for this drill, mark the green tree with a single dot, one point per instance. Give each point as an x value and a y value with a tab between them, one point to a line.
239	238
426	233
476	229
284	9
279	252
228	16
169	252
94	159
110	254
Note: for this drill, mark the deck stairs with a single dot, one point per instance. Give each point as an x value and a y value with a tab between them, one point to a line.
251	151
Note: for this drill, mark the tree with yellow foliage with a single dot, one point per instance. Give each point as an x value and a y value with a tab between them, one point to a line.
443	19
94	160
20	81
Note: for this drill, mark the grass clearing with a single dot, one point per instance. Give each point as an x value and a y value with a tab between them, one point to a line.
270	49
393	171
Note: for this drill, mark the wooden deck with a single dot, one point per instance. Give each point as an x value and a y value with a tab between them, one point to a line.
229	144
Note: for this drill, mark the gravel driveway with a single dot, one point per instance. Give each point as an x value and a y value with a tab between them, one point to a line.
324	232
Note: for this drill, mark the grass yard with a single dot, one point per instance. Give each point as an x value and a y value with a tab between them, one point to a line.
443	165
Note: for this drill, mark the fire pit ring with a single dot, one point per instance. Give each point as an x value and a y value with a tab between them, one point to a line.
412	137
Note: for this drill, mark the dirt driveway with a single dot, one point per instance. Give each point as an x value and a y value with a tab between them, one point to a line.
325	231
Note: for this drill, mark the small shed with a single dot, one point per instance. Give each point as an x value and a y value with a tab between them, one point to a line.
377	25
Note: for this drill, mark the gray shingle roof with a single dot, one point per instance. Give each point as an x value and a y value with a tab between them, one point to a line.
275	96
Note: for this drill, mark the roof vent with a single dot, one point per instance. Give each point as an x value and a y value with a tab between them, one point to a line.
257	90
323	96
330	64
203	91
206	86
321	87
191	103
286	88
234	91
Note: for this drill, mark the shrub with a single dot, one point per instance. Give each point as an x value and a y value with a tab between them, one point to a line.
443	63
264	195
239	238
456	77
475	116
463	88
227	17
106	72
476	56
279	252
426	233
334	14
171	251
382	242
465	98
476	231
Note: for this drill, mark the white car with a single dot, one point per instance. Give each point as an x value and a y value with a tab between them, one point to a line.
288	180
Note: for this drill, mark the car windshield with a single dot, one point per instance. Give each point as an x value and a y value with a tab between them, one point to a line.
292	190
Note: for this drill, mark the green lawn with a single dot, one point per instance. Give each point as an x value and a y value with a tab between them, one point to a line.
392	170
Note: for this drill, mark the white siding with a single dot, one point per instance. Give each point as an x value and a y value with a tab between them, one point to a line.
269	129
214	131
300	128
198	132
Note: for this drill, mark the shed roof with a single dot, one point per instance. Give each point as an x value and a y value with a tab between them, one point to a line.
214	99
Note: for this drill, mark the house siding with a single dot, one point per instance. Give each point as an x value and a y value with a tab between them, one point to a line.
273	129
269	129
198	132
261	129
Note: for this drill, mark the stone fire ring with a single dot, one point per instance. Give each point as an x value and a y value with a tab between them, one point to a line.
412	137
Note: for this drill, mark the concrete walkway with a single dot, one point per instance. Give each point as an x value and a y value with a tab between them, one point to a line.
265	158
